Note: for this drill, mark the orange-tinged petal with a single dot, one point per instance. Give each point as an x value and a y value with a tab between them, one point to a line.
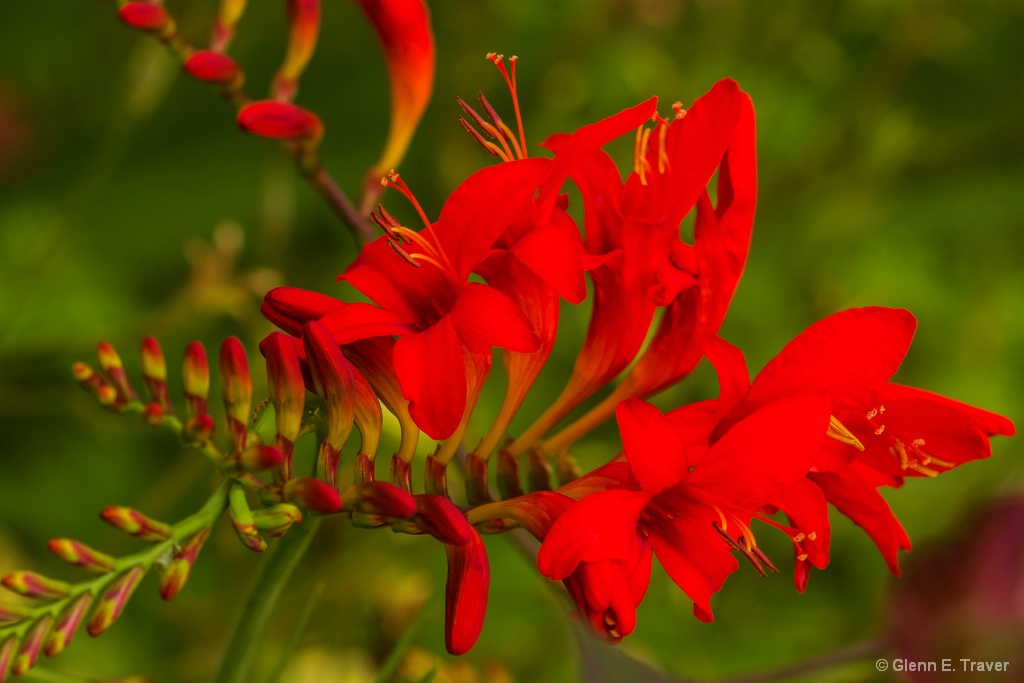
403	29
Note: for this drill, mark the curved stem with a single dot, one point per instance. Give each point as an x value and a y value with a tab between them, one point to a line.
259	604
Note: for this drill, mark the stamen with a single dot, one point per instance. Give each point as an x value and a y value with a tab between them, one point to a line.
663	162
502	132
383	223
490	147
510	81
901	453
403	253
929	459
764	558
799	538
812	536
394	180
802	556
838	431
721	518
677	107
636	150
412	237
927	471
742	548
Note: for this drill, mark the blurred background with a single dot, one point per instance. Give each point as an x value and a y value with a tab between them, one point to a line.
891	173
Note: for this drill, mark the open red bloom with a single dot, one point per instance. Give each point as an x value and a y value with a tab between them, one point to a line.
902	431
691	518
448	319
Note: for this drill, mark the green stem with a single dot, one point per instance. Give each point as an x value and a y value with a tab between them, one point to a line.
849	653
259	604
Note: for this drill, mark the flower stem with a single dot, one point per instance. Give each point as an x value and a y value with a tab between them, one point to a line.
259	604
849	653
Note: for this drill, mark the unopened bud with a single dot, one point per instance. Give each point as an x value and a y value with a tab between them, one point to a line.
113	368
31	645
438	516
80	555
198	429
7	650
380	498
280	121
67	625
277	519
154	373
259	458
196	375
145	16
109	607
177	572
312	494
10	614
213	67
135	524
33	585
236	389
304	24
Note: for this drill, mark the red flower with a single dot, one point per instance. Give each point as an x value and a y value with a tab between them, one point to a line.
691	518
637	224
900	431
448	321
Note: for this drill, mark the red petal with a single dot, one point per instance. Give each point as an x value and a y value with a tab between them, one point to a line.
480	209
988	422
733	376
860	502
145	16
432	373
764	454
403	29
589	139
554	255
469	577
483	316
690	549
850	355
290	307
352	322
653	448
601	526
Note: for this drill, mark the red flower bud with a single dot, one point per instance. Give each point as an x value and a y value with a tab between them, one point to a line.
236	389
110	606
10	614
81	556
7	650
212	67
67	625
113	368
438	516
312	494
259	458
304	24
144	16
280	121
31	645
380	498
33	585
465	600
177	572
287	392
135	524
196	375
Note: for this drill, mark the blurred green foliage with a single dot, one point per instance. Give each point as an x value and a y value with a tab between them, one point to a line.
890	157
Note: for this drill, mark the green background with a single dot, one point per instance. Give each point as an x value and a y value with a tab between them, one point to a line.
890	161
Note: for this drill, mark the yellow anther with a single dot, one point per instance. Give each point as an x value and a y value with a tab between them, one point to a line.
838	431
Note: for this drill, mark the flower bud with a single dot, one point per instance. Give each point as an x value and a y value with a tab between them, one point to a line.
31	645
380	498
7	650
33	585
154	373
312	494
236	389
67	625
333	379
145	16
280	121
81	556
198	429
213	67
135	524
10	614
438	516
259	458
277	519
177	572
465	600
113	368
109	607
196	375
287	393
